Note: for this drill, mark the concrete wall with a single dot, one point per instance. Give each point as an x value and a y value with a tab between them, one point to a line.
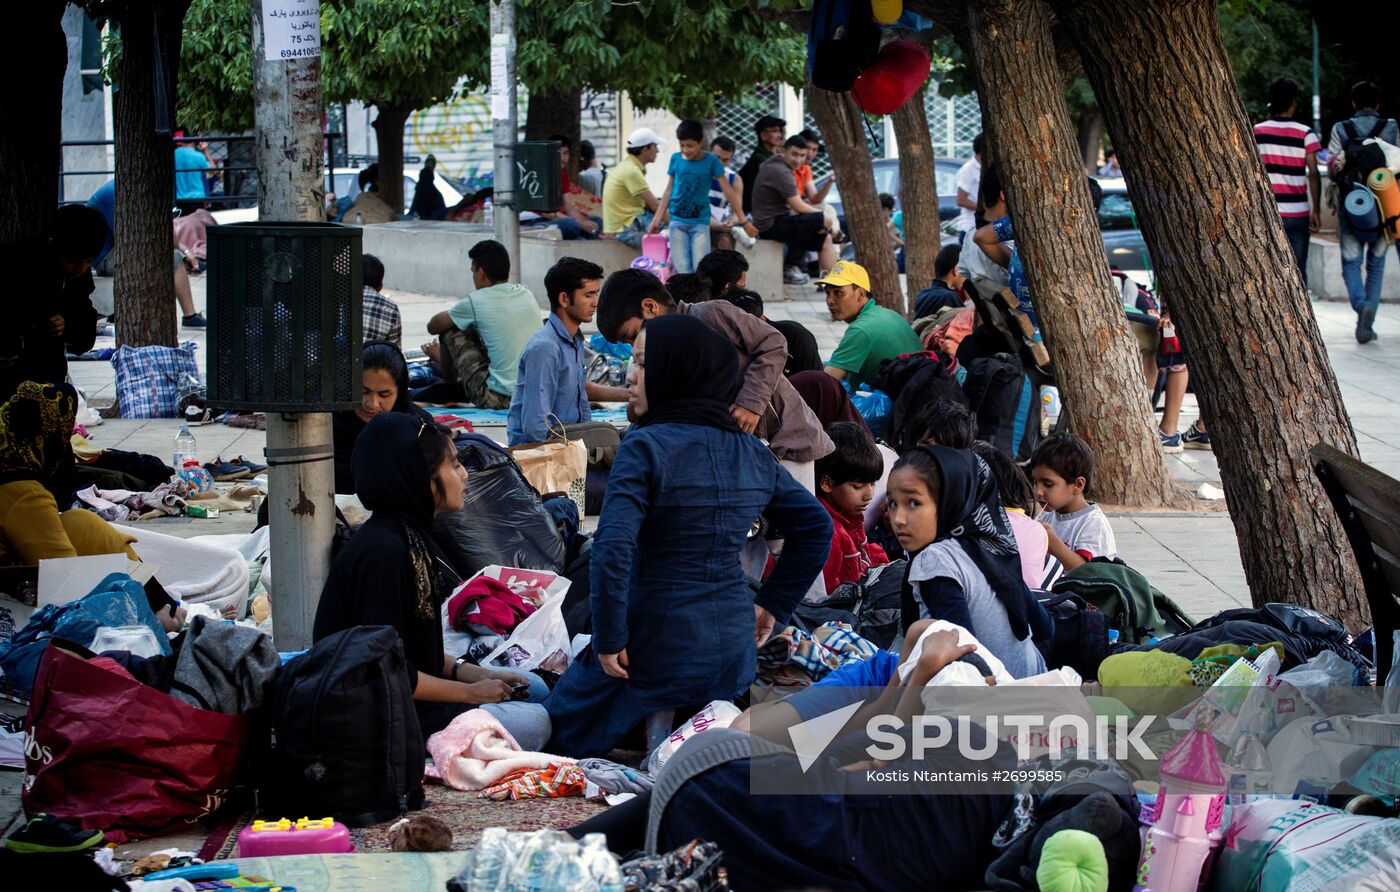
1325	272
431	257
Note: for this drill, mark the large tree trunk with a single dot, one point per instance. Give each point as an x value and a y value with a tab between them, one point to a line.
389	122
1224	267
145	176
843	128
29	151
551	113
1081	312
918	195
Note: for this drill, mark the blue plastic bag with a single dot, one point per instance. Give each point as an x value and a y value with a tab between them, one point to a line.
117	600
875	408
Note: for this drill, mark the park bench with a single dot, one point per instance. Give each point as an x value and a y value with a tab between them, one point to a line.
1368	504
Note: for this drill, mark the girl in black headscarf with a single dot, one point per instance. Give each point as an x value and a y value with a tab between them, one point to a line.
390	573
674	621
384	388
946	512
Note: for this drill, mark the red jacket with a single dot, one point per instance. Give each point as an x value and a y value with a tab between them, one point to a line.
851	556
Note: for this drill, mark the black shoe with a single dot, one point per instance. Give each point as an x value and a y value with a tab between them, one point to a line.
195	320
45	833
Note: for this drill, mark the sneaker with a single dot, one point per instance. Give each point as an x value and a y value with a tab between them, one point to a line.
198	416
195	320
1170	442
794	276
44	833
743	237
253	467
224	471
1195	438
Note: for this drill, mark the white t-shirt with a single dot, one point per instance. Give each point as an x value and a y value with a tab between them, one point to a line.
987	277
968	179
1084	530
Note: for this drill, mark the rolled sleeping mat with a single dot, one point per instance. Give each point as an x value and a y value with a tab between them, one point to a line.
1382	182
1361	207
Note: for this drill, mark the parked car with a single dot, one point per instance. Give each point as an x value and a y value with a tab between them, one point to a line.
945	171
1116	209
1127	251
345	182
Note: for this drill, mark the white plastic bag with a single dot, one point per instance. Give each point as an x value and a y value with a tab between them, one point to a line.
541	641
716	714
139	641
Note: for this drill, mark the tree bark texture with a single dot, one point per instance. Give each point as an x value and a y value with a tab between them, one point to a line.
1260	370
389	121
144	286
1095	359
551	113
32	106
918	195
843	127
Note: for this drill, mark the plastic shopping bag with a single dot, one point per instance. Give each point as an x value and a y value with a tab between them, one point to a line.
104	750
716	714
541	641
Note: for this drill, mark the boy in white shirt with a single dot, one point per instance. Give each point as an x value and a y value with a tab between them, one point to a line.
1061	468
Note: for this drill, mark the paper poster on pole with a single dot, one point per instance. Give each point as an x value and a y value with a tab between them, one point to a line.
500	101
291	29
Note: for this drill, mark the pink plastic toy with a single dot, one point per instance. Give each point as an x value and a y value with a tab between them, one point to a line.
1186	822
304	837
658	248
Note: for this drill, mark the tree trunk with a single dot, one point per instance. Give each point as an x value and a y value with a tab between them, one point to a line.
1091	130
843	128
551	113
389	122
1081	311
145	176
918	195
1224	267
29	152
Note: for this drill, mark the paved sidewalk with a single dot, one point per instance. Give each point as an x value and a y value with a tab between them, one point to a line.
1191	556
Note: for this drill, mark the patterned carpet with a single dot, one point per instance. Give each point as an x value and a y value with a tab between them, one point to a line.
466	816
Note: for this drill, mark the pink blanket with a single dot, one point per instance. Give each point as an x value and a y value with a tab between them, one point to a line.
475	751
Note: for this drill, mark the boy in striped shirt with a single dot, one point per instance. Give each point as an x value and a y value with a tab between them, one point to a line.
1289	150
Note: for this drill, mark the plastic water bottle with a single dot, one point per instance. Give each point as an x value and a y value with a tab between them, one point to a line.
488	213
359	218
184	447
602	864
1050	404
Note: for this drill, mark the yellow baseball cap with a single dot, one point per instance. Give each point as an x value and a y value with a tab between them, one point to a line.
846	273
887	12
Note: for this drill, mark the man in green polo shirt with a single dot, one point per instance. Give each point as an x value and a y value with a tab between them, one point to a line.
876	333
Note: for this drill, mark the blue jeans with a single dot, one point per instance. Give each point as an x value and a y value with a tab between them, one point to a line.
1365	297
689	242
1299	237
632	235
570	229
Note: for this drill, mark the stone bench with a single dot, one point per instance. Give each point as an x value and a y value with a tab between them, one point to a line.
431	257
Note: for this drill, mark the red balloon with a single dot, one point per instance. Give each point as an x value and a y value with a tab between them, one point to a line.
893	78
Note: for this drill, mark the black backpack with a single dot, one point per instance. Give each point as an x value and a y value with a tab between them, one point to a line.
1081	634
872	606
911	382
1361	159
345	736
842	39
1002	396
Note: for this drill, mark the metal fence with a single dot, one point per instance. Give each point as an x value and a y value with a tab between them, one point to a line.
952	122
735	119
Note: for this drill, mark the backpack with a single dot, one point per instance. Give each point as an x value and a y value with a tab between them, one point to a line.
1361	158
1129	603
842	39
1002	396
871	606
912	381
1081	634
345	735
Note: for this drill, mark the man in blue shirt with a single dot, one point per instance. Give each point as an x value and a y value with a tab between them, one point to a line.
191	165
550	378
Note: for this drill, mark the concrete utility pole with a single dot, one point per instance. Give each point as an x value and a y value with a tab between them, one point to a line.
291	187
504	129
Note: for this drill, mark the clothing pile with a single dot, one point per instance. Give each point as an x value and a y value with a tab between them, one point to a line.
475	751
117	505
555	781
794	658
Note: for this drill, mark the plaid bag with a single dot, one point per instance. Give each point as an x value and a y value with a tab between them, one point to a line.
149	378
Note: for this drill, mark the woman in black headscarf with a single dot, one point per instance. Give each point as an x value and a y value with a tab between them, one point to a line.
675	623
390	573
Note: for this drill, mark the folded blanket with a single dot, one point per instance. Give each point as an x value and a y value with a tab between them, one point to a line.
475	751
553	782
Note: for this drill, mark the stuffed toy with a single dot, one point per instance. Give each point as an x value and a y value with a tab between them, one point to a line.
1073	864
